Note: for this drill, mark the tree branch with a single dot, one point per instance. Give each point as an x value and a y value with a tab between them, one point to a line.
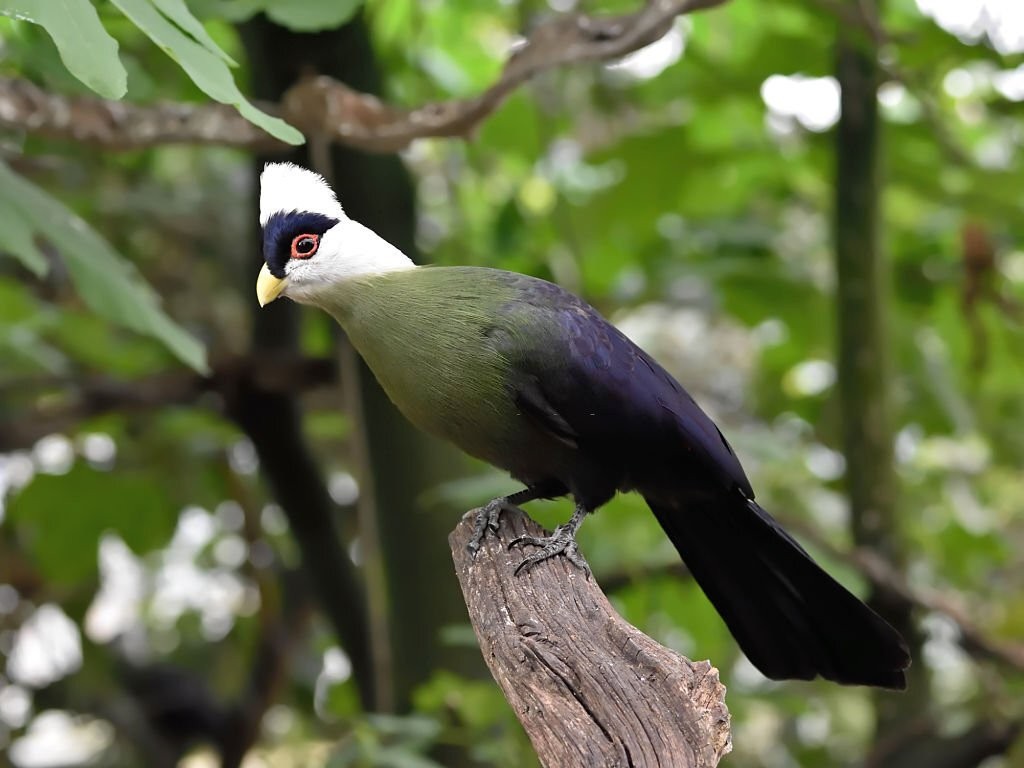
118	125
588	688
883	576
887	579
87	397
321	106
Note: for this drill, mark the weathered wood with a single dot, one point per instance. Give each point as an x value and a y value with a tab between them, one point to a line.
589	688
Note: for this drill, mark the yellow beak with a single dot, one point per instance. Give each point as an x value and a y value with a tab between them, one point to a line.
268	287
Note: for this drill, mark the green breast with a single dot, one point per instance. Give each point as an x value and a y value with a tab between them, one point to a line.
424	334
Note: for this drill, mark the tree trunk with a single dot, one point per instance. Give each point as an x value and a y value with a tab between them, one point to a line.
273	420
420	595
863	350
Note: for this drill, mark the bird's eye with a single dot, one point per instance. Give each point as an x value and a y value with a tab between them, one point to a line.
304	246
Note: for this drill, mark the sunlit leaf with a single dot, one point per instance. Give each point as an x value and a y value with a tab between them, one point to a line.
85	47
178	12
234	11
311	15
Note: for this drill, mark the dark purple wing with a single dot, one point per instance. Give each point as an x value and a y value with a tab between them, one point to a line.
595	388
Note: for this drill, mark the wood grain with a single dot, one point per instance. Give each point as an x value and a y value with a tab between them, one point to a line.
589	688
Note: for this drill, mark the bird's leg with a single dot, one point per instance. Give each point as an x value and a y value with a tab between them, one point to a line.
489	516
561	542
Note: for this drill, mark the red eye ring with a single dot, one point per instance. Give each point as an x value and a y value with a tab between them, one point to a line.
304	246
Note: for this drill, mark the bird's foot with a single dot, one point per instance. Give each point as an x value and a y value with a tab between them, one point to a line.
488	517
561	542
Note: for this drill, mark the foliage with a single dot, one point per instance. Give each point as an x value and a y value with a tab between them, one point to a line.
298	15
686	193
106	282
89	53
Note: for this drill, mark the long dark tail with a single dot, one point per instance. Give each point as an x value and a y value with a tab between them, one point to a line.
790	617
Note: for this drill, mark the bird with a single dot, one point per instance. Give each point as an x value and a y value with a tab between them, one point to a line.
528	377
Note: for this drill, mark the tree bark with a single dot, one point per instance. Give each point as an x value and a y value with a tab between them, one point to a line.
589	688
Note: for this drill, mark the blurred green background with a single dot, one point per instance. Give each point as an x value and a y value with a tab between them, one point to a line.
220	545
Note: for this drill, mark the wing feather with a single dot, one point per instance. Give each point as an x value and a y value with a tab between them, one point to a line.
589	385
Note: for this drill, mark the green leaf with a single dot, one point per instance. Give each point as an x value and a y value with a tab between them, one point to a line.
109	284
62	517
207	71
232	11
17	236
311	15
178	12
89	53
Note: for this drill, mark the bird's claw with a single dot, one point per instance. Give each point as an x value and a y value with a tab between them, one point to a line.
561	542
488	517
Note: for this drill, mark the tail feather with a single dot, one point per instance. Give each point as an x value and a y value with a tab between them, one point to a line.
790	617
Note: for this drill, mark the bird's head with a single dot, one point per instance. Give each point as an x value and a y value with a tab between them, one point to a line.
309	244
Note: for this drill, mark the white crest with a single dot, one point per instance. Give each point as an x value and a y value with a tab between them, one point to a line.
289	187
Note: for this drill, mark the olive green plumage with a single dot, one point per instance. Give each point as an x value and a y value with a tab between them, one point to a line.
438	339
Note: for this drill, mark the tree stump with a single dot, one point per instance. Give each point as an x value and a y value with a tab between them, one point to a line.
589	688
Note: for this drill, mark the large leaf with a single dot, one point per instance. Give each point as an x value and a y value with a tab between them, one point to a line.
61	518
207	70
108	283
17	236
311	15
298	15
89	53
178	12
